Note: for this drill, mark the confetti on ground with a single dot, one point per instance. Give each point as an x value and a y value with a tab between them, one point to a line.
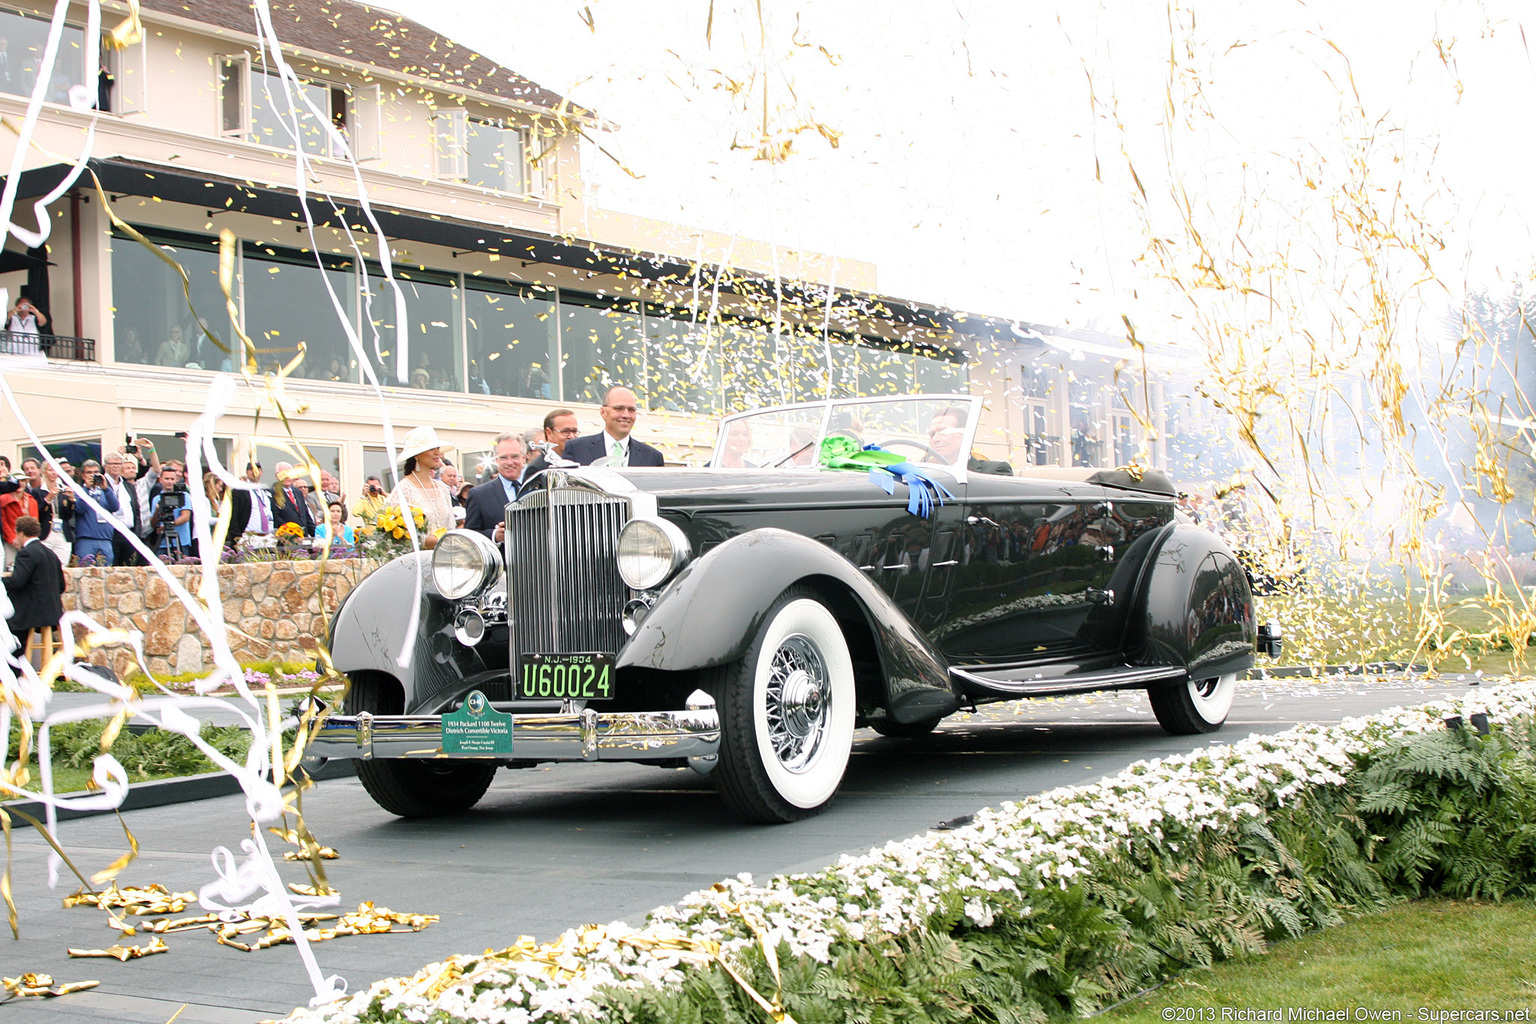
30	984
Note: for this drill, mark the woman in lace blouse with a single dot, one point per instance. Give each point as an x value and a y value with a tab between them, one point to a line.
421	453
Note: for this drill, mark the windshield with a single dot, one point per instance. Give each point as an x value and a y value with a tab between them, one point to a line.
936	429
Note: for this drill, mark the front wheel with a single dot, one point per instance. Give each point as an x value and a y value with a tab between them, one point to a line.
414	788
786	714
1199	706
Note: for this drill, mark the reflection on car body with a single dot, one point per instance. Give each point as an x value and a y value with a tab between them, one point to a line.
747	617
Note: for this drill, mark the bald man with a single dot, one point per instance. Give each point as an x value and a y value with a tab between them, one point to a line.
619	410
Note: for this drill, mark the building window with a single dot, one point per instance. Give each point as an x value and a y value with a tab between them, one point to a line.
151	323
74	451
484	152
510	331
602	345
23	38
432	358
256	105
288	299
682	368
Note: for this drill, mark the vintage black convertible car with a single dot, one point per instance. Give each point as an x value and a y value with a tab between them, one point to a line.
744	619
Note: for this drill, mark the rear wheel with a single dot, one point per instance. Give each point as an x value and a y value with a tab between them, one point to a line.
414	788
1199	706
786	714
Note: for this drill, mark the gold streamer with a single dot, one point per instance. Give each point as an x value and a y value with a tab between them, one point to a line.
125	953
31	984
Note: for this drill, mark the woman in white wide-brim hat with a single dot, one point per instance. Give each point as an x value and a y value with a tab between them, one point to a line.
421	454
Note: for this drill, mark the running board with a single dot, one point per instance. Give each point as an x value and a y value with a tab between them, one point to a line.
1032	682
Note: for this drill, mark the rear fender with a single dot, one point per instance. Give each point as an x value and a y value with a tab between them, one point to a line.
710	613
370	629
1195	607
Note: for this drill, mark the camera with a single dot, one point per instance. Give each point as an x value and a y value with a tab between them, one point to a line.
167	506
129	446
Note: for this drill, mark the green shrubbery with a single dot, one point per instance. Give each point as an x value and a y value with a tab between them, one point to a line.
151	754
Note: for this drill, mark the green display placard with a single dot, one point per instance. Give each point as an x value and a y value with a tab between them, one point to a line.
477	728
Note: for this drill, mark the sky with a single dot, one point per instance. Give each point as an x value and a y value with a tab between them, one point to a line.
984	146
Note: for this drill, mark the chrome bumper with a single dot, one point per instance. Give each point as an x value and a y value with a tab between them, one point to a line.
584	735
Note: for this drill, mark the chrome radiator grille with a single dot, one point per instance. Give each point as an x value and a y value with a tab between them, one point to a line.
564	592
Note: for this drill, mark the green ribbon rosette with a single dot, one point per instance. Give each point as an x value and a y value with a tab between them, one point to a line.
885	470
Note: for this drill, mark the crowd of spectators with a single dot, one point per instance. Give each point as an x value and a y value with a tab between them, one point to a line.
151	498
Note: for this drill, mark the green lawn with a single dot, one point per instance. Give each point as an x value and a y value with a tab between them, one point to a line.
1434	955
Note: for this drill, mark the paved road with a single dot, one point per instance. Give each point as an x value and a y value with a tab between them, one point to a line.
560	846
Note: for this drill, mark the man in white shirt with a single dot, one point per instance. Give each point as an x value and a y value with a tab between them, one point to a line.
260	524
614	446
117	479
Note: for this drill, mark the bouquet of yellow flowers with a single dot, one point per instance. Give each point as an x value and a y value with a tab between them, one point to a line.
390	535
391	523
289	532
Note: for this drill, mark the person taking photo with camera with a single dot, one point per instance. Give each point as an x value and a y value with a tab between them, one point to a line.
171	515
94	531
366	508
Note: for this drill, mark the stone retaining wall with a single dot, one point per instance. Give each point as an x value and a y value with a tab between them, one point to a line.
272	610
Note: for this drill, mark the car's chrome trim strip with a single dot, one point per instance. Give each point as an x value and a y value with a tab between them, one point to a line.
1016	684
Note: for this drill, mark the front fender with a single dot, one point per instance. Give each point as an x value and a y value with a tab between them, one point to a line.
1195	607
710	613
370	630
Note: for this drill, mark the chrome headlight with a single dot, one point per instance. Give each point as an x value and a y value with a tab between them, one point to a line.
651	551
463	562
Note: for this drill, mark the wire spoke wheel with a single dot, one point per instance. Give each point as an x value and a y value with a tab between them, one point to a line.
786	713
796	702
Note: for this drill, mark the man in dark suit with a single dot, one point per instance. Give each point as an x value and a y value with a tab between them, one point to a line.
559	428
240	507
288	504
619	409
34	585
485	510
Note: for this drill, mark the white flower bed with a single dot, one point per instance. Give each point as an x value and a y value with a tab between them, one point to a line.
995	860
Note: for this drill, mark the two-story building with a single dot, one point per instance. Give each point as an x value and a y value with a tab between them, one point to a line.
515	295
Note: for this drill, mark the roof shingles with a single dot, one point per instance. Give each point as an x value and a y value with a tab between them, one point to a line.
369	35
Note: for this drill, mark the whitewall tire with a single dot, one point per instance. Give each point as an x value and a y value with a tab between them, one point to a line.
786	714
1199	706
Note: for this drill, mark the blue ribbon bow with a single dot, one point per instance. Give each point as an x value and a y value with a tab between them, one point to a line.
923	491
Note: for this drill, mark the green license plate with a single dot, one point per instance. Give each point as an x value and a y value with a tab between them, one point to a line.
566	677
